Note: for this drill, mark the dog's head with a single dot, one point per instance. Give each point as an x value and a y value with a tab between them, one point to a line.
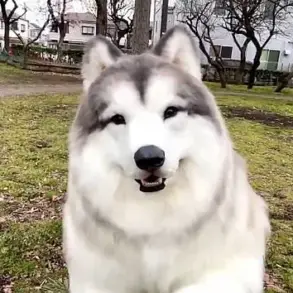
147	117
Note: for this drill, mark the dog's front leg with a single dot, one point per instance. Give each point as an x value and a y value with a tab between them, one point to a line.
81	287
245	276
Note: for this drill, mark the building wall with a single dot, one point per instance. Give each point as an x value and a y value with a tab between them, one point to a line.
75	33
24	34
221	37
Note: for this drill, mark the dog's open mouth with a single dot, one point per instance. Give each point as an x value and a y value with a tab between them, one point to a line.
151	183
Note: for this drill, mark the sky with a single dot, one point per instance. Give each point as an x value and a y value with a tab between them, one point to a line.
33	6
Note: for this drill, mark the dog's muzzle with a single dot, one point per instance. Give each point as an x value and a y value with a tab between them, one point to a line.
150	158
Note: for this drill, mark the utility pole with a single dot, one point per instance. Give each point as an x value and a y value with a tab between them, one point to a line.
164	18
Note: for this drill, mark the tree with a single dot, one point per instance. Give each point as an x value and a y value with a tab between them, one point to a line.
121	13
283	81
57	11
258	21
140	40
164	18
27	44
101	23
9	18
199	17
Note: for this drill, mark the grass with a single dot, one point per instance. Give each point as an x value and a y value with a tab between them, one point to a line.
257	90
10	75
33	181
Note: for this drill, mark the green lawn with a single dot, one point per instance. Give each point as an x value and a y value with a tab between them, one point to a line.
33	170
257	90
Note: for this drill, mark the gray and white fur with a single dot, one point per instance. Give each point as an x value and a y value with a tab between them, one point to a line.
202	228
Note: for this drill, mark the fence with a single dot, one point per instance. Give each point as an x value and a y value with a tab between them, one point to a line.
263	77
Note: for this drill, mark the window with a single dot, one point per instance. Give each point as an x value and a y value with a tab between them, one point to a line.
220	7
54	27
22	28
2	24
269	59
224	52
14	26
87	30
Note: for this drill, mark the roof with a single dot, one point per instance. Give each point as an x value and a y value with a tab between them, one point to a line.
34	26
84	16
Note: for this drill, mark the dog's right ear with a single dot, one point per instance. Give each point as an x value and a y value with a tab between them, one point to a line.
99	54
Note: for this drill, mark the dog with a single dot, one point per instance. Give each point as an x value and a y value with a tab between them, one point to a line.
158	199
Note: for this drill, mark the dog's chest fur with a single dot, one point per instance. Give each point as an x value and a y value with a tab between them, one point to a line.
160	263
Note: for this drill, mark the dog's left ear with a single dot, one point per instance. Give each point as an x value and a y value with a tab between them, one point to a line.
99	53
177	46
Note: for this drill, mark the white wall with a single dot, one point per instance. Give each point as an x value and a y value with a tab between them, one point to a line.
75	33
221	37
24	34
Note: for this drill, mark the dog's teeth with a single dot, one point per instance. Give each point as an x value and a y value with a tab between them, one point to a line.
151	184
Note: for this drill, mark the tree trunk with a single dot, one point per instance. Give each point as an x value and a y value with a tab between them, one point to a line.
222	79
25	56
101	21
140	40
6	37
60	46
252	74
241	69
283	82
164	17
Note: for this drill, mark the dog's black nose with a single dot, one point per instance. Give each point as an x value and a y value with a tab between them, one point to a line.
149	157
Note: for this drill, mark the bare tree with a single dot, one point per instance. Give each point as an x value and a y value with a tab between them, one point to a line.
121	14
243	49
199	17
258	21
140	40
27	44
283	81
164	17
9	18
101	23
57	11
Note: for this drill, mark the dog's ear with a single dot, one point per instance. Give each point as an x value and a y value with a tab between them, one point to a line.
99	53
177	46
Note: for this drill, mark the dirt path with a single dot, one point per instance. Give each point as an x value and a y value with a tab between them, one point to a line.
26	90
12	90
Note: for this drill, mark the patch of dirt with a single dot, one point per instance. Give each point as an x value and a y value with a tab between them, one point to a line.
268	118
5	284
30	210
7	91
272	283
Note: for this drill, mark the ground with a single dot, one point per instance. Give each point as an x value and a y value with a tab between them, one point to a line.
15	82
33	170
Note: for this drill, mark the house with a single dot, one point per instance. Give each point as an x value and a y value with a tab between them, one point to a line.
277	54
20	26
80	28
34	30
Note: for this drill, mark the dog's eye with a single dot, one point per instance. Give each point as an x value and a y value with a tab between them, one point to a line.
170	112
117	119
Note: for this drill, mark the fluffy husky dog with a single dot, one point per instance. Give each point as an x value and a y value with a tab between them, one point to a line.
158	200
